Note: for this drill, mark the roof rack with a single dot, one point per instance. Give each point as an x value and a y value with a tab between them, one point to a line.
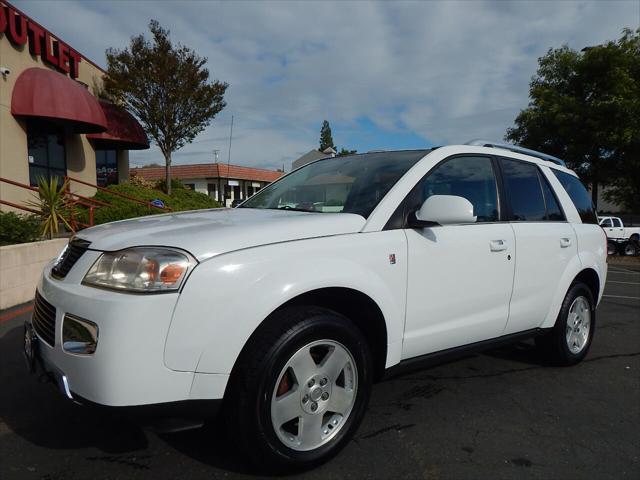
478	142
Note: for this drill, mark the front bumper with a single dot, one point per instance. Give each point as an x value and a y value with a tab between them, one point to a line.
162	417
127	368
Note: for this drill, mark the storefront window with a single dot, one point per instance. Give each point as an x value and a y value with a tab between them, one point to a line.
46	151
106	167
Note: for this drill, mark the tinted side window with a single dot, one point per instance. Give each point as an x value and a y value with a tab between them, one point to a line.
579	196
554	212
616	223
468	177
606	223
523	189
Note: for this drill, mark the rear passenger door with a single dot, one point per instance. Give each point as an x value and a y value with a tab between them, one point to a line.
545	243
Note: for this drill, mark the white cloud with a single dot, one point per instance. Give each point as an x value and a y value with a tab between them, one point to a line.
448	71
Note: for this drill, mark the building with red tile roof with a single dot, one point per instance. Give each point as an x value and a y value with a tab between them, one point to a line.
222	182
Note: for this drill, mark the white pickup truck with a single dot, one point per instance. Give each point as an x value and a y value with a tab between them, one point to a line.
620	236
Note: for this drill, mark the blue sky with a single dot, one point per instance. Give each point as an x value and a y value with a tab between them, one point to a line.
387	75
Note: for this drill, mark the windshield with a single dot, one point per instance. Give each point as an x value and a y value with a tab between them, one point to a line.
348	184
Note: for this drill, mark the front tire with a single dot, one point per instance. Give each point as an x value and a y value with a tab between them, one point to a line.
569	340
300	388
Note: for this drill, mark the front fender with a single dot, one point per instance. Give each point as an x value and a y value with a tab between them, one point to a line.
227	298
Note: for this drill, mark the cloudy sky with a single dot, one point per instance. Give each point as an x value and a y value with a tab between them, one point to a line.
386	75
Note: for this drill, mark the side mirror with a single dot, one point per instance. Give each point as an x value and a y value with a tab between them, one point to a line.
442	210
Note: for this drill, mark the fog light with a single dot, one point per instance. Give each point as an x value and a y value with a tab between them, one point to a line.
79	336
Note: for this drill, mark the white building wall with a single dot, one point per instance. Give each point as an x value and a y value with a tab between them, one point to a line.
200	184
247	187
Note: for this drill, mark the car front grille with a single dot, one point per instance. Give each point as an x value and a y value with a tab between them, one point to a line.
72	254
44	320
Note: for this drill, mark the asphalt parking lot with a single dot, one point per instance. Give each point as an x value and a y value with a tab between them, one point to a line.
502	414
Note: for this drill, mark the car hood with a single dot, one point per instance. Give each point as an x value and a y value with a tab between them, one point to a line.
207	233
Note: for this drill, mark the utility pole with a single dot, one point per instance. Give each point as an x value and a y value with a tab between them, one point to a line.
230	140
229	161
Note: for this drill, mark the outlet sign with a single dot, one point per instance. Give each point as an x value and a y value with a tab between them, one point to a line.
21	31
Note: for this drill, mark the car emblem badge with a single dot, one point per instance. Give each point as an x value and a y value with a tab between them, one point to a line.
392	258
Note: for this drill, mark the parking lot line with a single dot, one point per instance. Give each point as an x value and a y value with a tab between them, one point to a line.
625	283
621	296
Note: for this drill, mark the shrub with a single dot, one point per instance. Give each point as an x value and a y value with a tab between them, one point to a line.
16	228
119	212
140	181
185	199
121	208
53	205
175	184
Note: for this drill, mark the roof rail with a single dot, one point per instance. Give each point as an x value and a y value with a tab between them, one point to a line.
478	142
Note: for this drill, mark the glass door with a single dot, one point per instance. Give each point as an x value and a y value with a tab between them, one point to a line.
106	167
46	150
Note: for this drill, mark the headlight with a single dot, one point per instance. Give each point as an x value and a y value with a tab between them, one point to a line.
141	269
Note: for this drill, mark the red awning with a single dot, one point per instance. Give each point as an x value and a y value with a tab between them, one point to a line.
123	130
43	93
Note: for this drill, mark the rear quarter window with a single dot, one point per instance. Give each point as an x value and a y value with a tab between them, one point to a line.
579	196
530	197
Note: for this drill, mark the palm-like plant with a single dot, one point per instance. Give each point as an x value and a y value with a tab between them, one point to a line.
52	205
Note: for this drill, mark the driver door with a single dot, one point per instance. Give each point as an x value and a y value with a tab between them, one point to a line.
460	277
618	230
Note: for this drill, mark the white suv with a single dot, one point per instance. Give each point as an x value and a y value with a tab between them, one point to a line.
283	311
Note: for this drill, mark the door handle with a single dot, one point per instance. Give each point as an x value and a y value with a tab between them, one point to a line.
498	245
565	242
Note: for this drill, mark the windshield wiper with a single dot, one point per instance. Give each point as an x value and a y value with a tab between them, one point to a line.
293	209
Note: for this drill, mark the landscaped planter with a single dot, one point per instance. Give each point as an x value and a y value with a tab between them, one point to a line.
21	266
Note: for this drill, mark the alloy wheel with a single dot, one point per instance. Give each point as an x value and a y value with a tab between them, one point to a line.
578	325
314	395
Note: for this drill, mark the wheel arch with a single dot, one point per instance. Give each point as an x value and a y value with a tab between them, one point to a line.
357	306
576	271
589	277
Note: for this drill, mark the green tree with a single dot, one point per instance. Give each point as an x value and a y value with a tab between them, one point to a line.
585	108
344	151
167	87
326	140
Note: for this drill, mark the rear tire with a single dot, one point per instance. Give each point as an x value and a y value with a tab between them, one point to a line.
569	340
630	249
299	389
